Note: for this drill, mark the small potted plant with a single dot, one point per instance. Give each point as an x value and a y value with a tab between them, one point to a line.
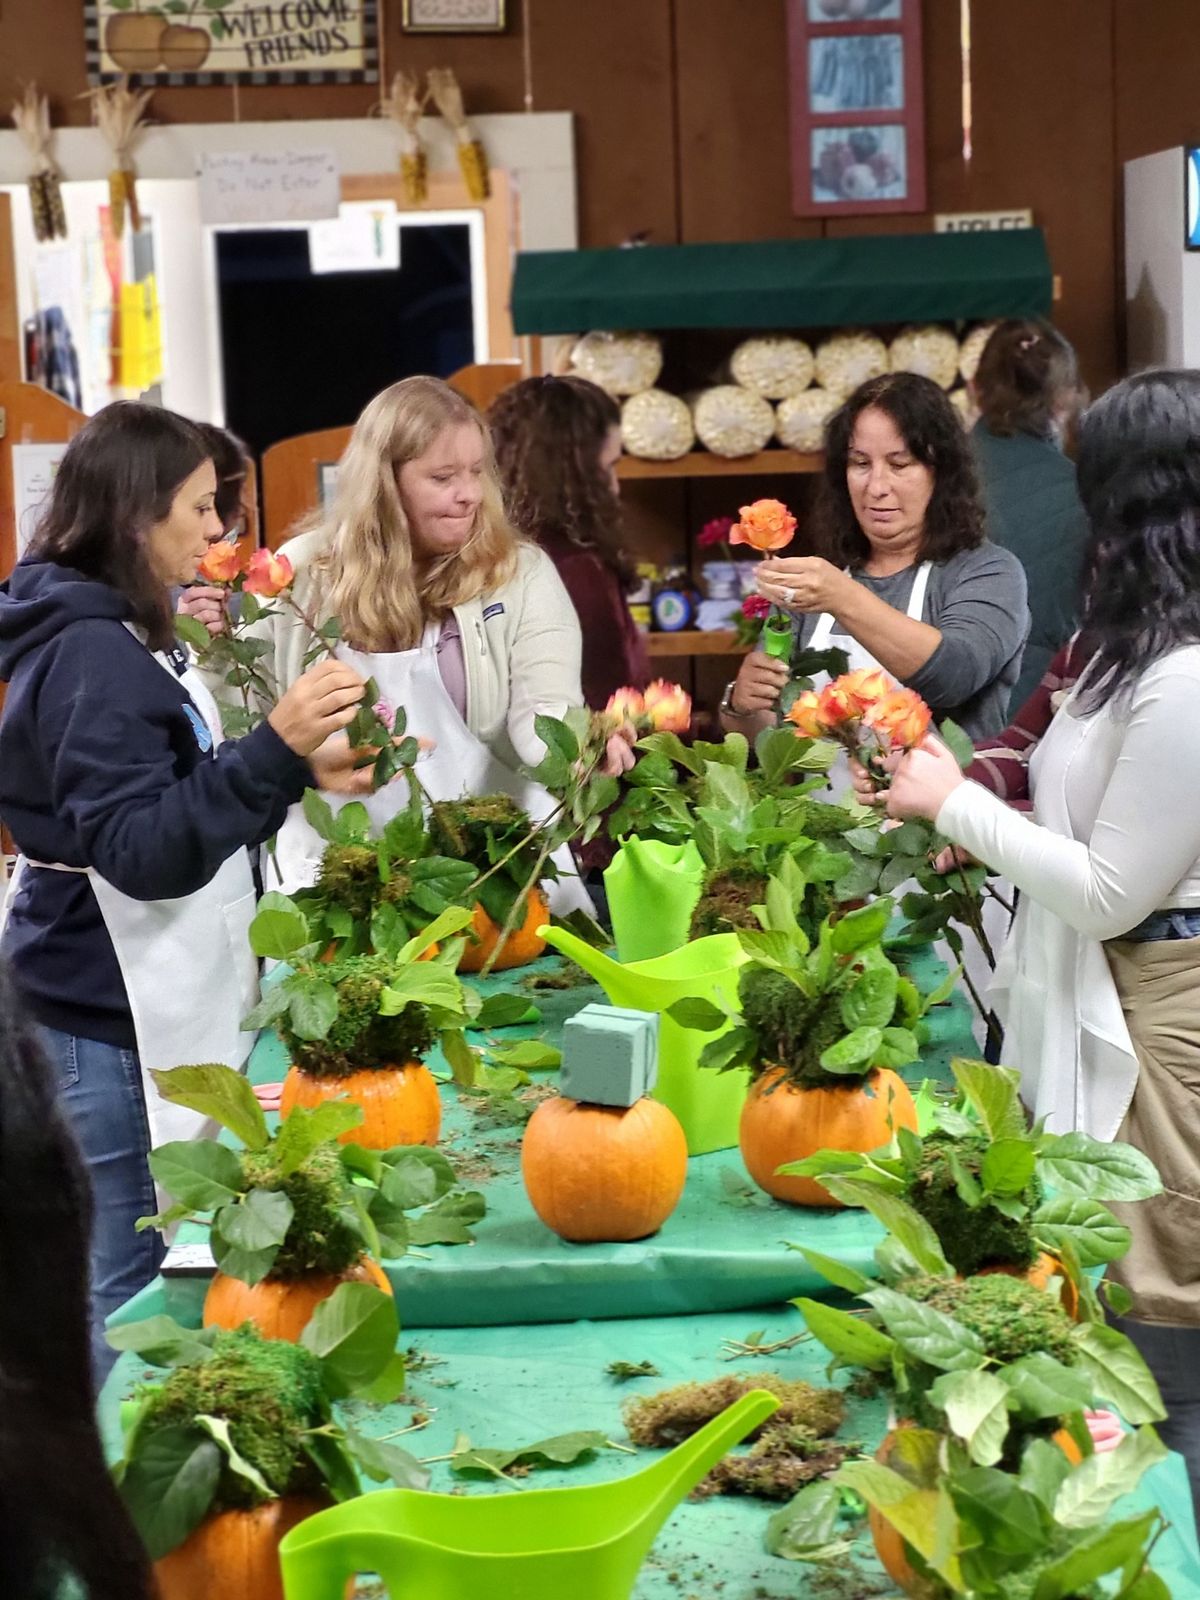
238	1442
294	1214
822	1028
495	837
993	1194
359	1027
989	1381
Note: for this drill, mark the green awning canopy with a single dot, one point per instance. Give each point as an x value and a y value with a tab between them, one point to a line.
785	283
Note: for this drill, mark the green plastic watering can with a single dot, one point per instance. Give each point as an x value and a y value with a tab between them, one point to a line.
542	1544
652	890
707	1103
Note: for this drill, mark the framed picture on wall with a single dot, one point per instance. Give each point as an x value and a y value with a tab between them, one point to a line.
857	106
452	16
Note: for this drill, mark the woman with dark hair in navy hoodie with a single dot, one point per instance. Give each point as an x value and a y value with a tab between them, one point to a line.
126	921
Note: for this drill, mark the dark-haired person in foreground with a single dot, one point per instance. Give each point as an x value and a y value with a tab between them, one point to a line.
61	1517
128	913
1099	985
904	577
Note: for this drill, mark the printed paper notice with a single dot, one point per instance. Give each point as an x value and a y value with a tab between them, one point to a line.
34	467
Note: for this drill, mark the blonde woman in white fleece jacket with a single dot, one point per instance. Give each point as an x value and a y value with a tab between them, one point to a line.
455	616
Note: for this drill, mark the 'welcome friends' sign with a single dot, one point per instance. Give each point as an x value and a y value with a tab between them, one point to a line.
183	42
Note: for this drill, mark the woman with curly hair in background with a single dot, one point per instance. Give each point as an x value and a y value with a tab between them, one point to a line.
557	444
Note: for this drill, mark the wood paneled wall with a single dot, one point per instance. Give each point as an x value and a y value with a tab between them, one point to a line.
681	110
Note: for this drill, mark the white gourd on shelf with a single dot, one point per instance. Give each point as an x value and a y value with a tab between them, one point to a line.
733	422
657	426
774	365
972	348
845	360
800	420
930	351
622	363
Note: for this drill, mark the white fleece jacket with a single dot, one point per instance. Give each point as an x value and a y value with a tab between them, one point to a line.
521	649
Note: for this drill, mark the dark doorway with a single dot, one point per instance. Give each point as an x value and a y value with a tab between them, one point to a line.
304	350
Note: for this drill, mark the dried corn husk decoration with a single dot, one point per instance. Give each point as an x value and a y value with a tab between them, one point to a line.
118	113
404	106
447	97
31	113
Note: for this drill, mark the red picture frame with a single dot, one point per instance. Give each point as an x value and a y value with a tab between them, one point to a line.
857	107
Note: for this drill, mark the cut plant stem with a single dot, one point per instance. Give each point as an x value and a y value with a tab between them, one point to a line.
731	1349
521	905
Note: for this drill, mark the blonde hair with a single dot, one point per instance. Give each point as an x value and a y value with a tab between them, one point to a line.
366	574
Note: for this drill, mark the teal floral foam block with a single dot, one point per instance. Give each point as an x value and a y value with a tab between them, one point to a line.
609	1055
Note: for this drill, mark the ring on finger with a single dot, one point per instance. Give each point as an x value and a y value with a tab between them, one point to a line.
789	596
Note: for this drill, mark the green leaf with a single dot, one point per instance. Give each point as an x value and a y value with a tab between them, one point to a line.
976	1407
957	742
319	815
903	1221
1118	1373
218	1429
994	1093
449	1221
528	1055
304	1130
1147	1585
927	1334
1116	1297
923	1517
384	1462
1093	1556
899	1046
415	1176
278	934
837	1272
199	1173
807	1522
192	632
313	1008
1091	1491
1006	1519
161	1341
1008	1167
563	1450
353	1334
1042	1387
423	983
847	1337
168	1485
505	1011
447	923
273	1004
335	1465
737	1048
556	736
352	824
858	929
870	1000
219	1092
1093	1230
700	1015
242	1235
854	1053
1075	1164
389	1385
1043	1469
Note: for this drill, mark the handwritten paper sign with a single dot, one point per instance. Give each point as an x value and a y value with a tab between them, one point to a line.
34	468
222	41
262	186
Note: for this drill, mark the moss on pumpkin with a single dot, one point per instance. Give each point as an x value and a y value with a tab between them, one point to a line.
318	1238
269	1393
792	1029
464	828
360	1039
971	1237
1011	1317
726	901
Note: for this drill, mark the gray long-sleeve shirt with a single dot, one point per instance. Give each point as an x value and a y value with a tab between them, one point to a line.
977	601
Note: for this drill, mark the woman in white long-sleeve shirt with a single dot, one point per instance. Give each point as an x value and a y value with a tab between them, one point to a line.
1099	986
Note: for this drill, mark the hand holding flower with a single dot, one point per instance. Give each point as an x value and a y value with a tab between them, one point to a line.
923	782
222	562
205	602
802	583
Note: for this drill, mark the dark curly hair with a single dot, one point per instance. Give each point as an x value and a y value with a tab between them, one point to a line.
548	434
1027	376
1139	480
931	429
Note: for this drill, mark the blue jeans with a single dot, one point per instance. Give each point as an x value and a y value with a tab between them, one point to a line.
101	1090
1173	1356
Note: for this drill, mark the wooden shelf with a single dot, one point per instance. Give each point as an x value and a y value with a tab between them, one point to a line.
692	642
703	464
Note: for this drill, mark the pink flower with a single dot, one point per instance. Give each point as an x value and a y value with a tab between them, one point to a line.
668	706
384	712
267	574
715	532
756	606
626	705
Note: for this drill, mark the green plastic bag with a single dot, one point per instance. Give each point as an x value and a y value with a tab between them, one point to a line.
652	891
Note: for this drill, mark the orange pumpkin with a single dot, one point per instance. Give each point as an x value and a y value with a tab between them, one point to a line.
234	1555
603	1172
782	1123
400	1105
893	1550
280	1308
1039	1274
522	945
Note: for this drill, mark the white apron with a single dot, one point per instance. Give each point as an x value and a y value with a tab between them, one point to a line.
1064	1028
189	973
458	765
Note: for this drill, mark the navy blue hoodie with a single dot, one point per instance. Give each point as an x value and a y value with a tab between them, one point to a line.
105	762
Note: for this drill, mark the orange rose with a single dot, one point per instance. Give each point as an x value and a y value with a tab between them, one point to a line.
268	574
805	712
222	563
668	706
767	525
865	686
837	705
901	719
627	705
